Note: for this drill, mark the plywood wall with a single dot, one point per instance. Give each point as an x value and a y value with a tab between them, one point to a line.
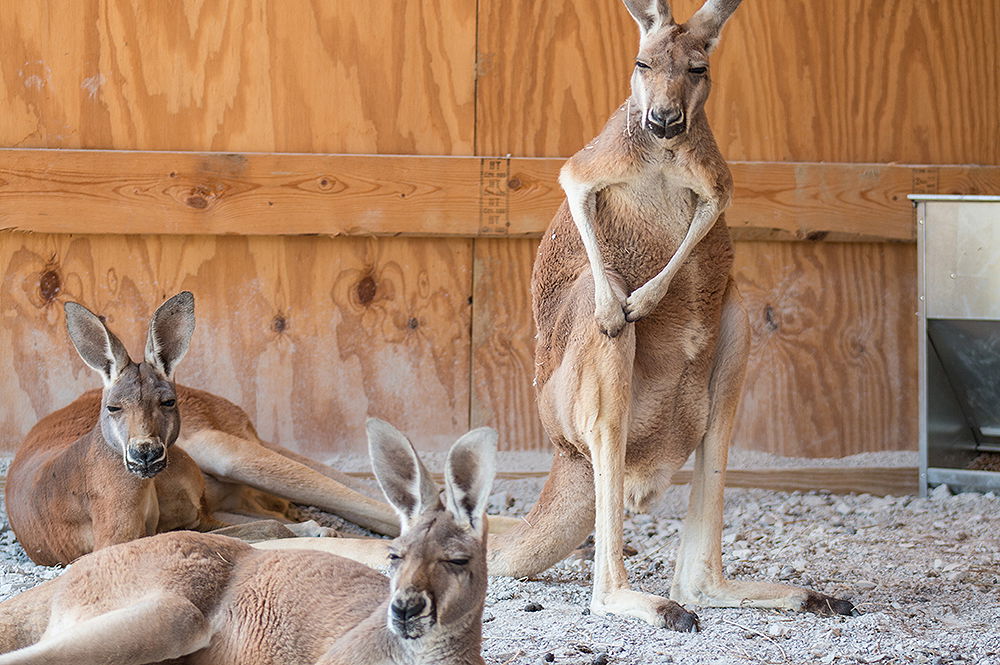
311	334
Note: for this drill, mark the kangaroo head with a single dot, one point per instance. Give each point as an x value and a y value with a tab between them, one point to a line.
139	416
439	560
671	79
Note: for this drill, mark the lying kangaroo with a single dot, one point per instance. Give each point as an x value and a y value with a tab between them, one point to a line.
119	464
201	598
642	337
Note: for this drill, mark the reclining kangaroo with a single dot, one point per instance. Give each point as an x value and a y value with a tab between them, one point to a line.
119	464
200	598
642	340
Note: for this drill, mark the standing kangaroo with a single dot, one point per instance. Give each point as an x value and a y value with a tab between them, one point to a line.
642	337
208	599
119	463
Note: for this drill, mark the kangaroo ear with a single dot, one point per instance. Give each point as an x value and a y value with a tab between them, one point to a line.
400	473
170	333
708	21
649	14
468	476
99	348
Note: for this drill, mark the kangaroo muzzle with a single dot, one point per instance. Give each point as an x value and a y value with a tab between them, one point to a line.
145	457
411	613
666	123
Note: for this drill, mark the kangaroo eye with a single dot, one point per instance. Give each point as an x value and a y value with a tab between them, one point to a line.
114	409
458	562
641	65
394	557
167	403
701	69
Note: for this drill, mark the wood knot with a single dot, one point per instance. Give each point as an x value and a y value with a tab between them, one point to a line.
49	285
279	324
817	235
324	183
772	323
197	202
412	323
514	184
366	290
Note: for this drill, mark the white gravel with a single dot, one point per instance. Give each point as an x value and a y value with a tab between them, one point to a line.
925	573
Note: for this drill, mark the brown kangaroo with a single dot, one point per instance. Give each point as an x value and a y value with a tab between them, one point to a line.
642	337
119	463
207	599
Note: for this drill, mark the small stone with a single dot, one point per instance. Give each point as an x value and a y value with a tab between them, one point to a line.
586	611
864	585
600	659
549	657
942	491
774	630
843	508
533	607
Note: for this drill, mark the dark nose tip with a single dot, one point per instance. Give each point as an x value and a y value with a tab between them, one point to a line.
145	451
405	610
656	115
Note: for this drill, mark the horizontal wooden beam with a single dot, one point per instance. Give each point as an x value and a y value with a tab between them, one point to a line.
880	481
97	191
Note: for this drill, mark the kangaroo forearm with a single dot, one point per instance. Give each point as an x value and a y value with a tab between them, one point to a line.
706	214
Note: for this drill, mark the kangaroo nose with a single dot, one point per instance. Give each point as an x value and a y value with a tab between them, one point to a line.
656	115
672	117
146	456
409	608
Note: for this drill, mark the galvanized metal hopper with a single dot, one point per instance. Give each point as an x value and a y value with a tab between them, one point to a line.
958	243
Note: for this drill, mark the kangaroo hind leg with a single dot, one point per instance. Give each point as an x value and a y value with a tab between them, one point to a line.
589	398
698	575
157	628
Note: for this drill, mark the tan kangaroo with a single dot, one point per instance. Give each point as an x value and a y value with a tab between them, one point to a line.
120	463
207	599
642	337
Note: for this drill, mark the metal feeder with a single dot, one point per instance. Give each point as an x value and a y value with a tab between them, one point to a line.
958	245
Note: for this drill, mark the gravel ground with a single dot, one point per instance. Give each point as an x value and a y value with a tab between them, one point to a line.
924	572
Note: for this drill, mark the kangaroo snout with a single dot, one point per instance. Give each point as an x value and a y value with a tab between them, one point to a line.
666	123
411	613
145	456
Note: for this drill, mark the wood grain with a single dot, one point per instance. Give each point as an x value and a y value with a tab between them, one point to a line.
240	75
89	191
832	366
309	335
503	344
840	81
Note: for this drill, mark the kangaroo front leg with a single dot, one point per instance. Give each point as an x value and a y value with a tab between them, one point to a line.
581	197
644	300
698	576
